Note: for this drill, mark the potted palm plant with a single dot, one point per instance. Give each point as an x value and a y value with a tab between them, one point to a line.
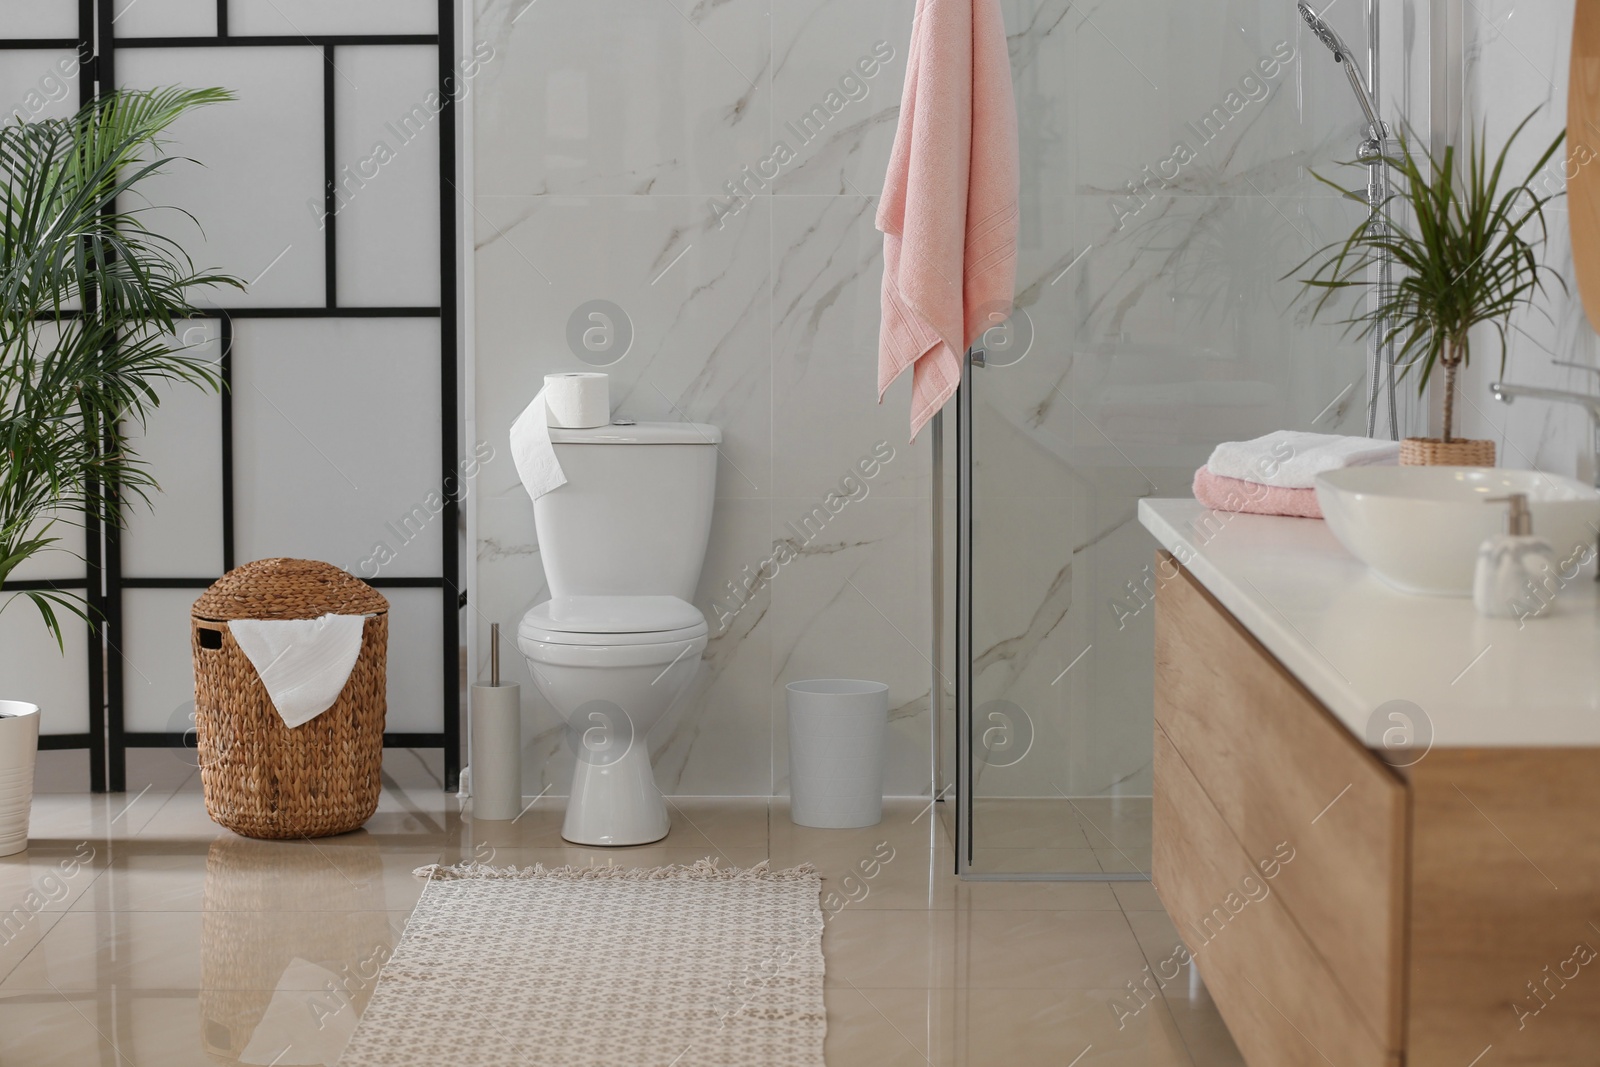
91	299
1466	244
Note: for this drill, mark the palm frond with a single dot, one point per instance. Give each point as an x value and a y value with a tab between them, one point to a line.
90	297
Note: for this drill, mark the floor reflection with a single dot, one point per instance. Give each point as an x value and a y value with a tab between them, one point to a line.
180	944
285	986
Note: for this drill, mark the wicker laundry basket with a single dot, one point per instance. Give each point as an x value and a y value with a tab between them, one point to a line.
261	778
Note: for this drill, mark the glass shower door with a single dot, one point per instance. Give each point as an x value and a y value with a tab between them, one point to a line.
1166	193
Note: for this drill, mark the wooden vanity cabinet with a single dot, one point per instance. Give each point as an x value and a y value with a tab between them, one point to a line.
1445	914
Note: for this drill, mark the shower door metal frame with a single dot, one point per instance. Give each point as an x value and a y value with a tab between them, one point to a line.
966	739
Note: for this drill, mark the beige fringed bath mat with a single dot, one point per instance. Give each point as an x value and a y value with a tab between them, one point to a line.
691	966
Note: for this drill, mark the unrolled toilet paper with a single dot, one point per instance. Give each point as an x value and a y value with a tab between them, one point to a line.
584	402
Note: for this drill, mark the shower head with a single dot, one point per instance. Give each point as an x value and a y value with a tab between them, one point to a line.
1324	33
1342	54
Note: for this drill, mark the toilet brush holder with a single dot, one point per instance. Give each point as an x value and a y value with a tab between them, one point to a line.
496	742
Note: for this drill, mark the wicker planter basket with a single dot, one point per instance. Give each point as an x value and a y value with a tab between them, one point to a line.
261	778
1432	452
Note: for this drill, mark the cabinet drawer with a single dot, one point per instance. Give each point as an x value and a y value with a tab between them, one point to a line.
1282	1004
1276	767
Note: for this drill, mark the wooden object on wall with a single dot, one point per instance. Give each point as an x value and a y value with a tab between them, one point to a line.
1583	149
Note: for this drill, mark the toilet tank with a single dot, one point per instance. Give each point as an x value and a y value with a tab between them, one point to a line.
635	514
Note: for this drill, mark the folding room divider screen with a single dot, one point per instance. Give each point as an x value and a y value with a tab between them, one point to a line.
329	185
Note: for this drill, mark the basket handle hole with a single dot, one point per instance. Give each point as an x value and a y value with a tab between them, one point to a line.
210	638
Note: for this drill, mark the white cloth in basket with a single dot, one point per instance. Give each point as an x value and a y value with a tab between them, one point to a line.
304	663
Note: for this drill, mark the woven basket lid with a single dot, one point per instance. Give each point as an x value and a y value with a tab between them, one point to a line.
287	589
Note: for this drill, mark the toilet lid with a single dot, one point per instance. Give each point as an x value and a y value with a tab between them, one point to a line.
621	619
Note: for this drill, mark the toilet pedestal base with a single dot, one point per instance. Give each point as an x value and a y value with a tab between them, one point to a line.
616	803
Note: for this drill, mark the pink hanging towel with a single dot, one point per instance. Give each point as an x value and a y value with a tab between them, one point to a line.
949	207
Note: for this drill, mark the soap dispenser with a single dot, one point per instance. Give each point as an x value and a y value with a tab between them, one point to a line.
1509	561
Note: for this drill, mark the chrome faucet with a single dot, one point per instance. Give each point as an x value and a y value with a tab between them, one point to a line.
1505	392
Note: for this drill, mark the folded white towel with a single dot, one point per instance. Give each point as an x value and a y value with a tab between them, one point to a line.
304	663
1292	459
532	451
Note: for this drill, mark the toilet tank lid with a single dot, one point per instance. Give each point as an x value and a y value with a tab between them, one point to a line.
641	433
613	615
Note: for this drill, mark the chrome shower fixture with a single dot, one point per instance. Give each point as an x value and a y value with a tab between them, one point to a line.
1377	145
1324	32
1342	54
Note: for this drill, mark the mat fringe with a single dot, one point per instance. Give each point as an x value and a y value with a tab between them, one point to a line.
705	870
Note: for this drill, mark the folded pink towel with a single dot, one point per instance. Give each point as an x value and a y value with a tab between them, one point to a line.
949	207
1220	493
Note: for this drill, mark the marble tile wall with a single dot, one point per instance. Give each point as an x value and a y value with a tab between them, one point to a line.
607	136
1167	152
1516	60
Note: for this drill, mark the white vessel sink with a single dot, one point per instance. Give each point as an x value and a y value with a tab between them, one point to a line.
1419	528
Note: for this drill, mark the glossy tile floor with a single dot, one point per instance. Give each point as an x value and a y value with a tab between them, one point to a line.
1076	835
135	931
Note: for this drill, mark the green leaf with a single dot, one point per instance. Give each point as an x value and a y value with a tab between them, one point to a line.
1465	248
90	296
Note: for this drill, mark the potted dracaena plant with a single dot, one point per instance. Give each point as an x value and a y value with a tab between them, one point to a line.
91	299
1466	245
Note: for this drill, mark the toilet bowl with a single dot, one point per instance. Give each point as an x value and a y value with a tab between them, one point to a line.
618	643
612	666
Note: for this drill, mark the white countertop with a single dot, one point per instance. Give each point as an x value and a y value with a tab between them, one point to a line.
1357	644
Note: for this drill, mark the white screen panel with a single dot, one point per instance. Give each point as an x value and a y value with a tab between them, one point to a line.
416	675
35	670
336	443
157	663
164	18
387	172
38	83
180	534
258	197
63	560
297	17
38	18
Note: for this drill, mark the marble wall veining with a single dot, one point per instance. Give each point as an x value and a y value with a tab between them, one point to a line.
611	139
1167	158
629	151
1516	58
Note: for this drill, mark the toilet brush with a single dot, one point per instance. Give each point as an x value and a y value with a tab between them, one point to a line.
496	742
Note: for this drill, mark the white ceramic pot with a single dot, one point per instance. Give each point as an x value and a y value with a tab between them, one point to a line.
19	741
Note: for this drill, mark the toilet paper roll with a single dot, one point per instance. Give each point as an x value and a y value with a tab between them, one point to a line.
579	400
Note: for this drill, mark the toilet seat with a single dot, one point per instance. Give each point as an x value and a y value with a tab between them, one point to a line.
611	621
